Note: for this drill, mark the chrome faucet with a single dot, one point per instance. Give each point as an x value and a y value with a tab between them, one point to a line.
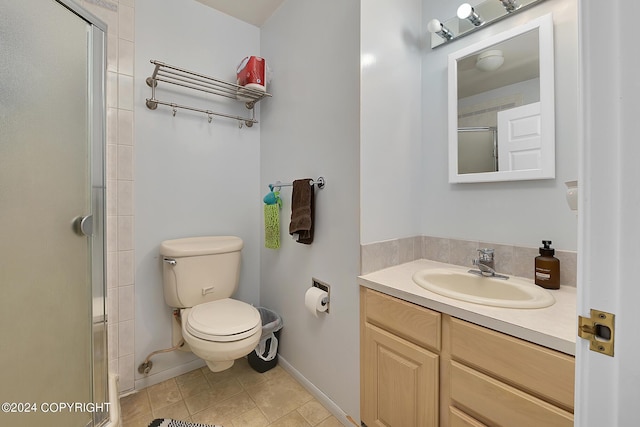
486	264
485	257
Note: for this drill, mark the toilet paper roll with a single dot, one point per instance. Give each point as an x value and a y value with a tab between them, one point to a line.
313	300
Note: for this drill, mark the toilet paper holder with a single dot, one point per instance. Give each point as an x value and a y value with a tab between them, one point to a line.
325	287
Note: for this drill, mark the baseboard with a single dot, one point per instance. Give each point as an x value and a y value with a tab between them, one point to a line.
335	410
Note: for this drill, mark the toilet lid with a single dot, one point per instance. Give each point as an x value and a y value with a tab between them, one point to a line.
223	320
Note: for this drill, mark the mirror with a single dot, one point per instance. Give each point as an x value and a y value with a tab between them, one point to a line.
501	106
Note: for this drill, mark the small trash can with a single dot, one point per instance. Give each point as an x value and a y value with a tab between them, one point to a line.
265	356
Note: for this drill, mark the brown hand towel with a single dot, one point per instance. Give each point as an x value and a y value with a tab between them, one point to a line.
302	211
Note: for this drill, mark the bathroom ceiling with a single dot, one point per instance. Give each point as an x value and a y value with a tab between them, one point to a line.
251	11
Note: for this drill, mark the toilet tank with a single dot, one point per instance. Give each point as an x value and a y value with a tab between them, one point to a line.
200	269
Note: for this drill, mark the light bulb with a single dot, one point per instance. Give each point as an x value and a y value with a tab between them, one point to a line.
434	26
437	27
465	11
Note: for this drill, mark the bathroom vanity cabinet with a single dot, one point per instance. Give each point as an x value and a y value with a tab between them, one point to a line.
399	362
424	368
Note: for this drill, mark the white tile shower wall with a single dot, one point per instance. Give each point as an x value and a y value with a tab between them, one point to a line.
119	16
510	259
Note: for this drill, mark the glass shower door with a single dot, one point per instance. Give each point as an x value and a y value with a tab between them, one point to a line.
47	189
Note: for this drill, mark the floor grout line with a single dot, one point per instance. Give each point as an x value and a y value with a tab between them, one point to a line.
246	378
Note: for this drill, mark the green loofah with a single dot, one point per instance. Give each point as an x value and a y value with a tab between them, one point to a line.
272	226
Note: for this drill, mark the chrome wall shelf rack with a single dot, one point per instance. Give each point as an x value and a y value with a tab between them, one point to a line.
199	82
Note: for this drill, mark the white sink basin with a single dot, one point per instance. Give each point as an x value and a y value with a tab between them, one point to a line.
511	293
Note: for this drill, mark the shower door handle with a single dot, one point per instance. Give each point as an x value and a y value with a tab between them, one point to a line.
83	225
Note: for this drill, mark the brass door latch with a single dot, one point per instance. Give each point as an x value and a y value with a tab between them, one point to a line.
599	329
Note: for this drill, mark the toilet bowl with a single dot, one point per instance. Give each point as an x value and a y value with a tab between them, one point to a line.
219	332
200	274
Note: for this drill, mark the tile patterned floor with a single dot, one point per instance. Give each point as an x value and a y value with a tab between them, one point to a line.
237	397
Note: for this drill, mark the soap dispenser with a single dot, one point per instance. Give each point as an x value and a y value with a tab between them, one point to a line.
547	272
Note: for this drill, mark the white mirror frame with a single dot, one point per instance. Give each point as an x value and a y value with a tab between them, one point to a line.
544	24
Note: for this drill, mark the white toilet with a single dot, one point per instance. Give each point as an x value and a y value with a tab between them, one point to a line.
200	274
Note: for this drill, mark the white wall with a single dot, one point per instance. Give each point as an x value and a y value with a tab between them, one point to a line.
310	128
521	213
192	178
392	46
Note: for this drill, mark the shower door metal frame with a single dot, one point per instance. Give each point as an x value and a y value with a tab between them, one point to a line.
96	47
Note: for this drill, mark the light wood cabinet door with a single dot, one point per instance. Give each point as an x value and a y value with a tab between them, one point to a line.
400	381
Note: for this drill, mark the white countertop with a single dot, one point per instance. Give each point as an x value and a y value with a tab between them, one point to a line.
554	327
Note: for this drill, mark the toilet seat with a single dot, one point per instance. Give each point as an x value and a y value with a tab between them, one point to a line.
223	320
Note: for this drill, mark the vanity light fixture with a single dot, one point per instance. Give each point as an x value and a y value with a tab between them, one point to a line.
437	27
510	5
470	19
465	11
490	60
